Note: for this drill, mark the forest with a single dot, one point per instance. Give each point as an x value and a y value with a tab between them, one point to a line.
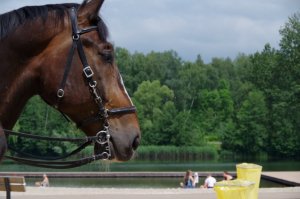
246	105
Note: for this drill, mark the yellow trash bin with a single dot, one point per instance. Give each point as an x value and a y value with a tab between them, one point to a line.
250	172
234	189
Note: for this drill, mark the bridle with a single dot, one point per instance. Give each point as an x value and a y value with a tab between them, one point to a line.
102	138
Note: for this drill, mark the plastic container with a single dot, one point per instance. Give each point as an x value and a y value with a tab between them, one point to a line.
234	189
250	172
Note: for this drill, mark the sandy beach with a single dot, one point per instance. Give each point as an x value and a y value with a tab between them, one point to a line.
113	193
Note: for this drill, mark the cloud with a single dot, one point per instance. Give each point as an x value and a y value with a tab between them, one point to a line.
212	28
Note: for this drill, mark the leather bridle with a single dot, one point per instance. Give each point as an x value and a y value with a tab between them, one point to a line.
102	138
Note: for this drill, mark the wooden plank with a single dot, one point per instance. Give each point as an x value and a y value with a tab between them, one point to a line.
109	174
14	179
17	184
14	188
291	178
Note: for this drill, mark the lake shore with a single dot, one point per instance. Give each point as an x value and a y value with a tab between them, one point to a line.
114	193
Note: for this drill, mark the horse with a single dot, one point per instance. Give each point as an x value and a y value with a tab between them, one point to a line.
61	53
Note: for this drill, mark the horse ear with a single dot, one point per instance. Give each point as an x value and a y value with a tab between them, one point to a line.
89	9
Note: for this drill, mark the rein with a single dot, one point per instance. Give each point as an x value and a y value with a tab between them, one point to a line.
102	137
48	162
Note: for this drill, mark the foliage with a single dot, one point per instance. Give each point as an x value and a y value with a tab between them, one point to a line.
38	118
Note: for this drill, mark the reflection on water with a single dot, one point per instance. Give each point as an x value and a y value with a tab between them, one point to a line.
126	182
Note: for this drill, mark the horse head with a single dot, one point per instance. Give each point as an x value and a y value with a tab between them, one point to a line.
84	82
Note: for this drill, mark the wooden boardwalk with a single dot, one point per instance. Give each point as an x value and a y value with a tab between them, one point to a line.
291	178
106	174
288	178
117	193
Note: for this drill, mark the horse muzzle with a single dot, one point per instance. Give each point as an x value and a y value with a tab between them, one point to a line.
116	150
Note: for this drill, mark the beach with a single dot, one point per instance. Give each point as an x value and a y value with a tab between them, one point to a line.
146	193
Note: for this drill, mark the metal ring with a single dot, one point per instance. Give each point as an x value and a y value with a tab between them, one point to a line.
106	126
105	156
102	137
60	93
104	114
93	84
76	37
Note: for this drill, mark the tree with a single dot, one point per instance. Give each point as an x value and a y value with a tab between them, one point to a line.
290	44
215	110
250	135
187	130
263	68
285	107
40	119
156	110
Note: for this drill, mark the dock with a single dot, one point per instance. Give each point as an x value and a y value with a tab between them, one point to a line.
287	178
107	174
116	193
290	178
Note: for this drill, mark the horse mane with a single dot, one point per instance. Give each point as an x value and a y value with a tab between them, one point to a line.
10	21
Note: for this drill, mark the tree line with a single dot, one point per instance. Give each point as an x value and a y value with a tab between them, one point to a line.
250	104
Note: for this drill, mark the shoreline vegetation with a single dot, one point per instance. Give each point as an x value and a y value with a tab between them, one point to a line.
173	153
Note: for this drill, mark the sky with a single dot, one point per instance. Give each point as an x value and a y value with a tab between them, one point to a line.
210	28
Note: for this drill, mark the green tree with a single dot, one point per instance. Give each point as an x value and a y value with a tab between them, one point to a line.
250	133
188	131
155	110
40	119
216	109
290	44
288	103
263	68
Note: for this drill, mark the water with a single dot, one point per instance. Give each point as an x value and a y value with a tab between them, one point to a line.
132	166
126	182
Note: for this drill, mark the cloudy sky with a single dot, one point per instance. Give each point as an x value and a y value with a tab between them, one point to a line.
211	28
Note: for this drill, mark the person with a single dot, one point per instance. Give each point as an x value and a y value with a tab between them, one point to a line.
209	182
196	179
227	176
44	183
188	181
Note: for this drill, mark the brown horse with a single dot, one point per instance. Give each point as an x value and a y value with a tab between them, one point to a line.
35	59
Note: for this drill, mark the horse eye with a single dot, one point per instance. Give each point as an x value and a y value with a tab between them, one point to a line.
107	55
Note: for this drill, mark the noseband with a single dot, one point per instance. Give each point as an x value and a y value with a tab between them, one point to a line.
102	138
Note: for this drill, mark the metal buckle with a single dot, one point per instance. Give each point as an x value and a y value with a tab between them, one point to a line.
88	72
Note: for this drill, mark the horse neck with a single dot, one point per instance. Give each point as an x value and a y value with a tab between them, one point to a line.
20	62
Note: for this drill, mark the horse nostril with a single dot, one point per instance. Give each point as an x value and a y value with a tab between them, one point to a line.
136	143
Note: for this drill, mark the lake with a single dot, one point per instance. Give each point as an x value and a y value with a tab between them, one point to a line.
280	165
126	182
135	166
